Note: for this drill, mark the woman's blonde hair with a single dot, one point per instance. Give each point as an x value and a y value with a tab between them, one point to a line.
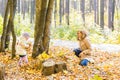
84	34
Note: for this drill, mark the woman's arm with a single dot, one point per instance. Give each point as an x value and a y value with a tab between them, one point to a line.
87	47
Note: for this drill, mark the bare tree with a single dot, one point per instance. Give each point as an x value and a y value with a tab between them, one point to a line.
82	8
96	11
8	28
23	8
90	5
61	10
97	8
75	4
46	37
3	7
7	41
55	12
42	26
12	6
19	2
67	12
111	11
3	37
102	14
32	11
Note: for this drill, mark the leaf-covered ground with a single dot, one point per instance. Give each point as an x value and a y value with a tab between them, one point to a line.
106	66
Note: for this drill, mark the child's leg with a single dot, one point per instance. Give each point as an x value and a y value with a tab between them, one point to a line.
25	59
77	51
20	61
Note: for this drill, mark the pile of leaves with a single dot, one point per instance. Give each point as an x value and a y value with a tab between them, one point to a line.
106	66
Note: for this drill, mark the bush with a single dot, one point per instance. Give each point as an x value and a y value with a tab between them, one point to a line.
95	33
1	24
64	32
23	25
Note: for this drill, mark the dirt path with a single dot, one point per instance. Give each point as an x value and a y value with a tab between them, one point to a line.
70	44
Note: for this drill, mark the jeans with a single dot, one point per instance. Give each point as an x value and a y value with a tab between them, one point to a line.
77	51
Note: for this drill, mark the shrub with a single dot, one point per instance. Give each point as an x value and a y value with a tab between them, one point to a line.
1	24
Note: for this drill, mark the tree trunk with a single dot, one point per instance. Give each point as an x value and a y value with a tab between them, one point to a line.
90	6
75	5
3	7
28	6
19	6
7	41
102	14
111	10
67	12
60	66
46	37
109	14
60	11
119	3
41	10
12	6
2	71
48	67
19	10
63	8
32	11
52	67
3	37
23	8
96	11
82	8
117	8
105	4
55	12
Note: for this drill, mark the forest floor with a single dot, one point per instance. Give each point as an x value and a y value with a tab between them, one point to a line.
106	65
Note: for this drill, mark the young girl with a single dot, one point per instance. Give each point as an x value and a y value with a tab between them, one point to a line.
84	45
21	48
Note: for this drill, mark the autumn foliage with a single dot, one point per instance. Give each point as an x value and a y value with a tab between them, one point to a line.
106	66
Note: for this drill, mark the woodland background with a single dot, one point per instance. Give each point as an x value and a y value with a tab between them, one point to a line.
96	16
50	20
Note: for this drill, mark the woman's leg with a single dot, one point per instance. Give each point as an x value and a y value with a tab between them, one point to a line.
77	51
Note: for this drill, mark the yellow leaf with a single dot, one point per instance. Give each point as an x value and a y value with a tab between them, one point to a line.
65	71
30	71
61	54
40	57
43	56
106	67
96	77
